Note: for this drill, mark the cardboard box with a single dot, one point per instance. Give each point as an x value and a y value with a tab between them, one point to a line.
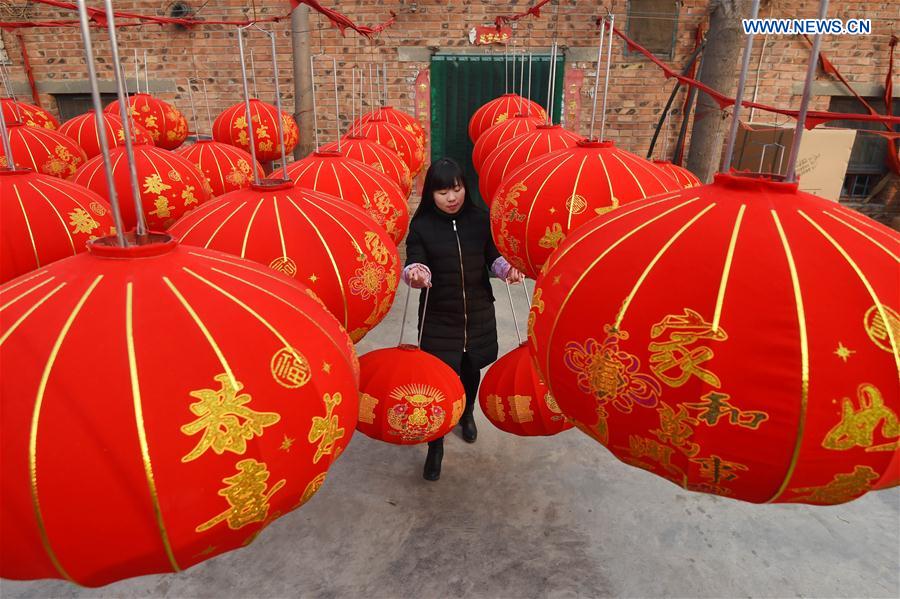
821	161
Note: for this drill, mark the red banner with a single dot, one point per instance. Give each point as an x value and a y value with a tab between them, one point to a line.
484	35
572	97
423	115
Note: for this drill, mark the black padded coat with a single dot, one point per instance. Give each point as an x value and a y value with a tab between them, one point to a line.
459	251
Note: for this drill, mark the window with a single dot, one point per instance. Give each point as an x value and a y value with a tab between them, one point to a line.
72	105
653	24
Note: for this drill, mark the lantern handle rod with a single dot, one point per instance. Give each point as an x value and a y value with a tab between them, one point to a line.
597	79
612	24
312	76
512	309
337	103
280	117
146	77
247	114
739	95
7	84
352	101
7	147
98	123
193	108
527	295
137	70
521	83
791	175
209	121
384	80
253	75
506	67
424	314
528	104
550	81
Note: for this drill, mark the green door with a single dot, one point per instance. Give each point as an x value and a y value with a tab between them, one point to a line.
461	84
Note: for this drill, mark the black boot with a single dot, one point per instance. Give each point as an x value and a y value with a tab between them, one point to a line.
433	461
469	430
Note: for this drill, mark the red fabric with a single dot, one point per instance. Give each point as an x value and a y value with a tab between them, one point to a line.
500	133
379	157
33	116
789	396
534	11
397	117
169	184
516	400
44	219
43	150
230	386
225	167
515	152
166	124
545	199
320	240
407	396
351	180
83	130
230	127
396	138
684	177
500	109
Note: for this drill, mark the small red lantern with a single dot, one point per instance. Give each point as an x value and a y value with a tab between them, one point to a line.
170	185
497	135
407	396
397	117
226	167
500	109
29	114
351	180
738	338
542	201
517	151
516	400
83	129
684	177
230	127
329	244
397	139
190	397
44	219
43	150
379	157
166	124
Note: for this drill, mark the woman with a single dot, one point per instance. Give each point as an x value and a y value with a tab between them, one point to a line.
450	250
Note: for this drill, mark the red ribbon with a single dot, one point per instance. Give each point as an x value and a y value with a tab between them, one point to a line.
534	11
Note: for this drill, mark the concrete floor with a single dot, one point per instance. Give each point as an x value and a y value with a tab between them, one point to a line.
515	517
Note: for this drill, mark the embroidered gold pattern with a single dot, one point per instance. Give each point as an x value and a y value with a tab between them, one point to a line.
857	427
326	430
419	415
247	495
495	410
841	489
672	360
290	368
82	222
674	429
715	406
285	265
878	330
520	409
367	405
553	236
718	470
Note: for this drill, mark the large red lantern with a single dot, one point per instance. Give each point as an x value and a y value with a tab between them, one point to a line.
738	338
189	397
44	219
44	151
499	134
397	117
170	185
397	139
684	177
407	396
330	245
83	129
351	180
166	124
33	116
515	152
230	127
225	167
542	201
500	109
516	400
379	157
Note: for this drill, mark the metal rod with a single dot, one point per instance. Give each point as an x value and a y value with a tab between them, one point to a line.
529	84
527	295
384	79
424	314
7	84
665	112
739	95
7	147
513	310
791	175
98	122
253	75
597	79
352	101
337	103
403	318
612	24
550	81
553	88
146	77
250	136
312	75
277	100
208	113
193	107
137	71
371	88
506	67
521	83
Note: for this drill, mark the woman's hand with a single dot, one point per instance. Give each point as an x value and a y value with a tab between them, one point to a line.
514	276
419	277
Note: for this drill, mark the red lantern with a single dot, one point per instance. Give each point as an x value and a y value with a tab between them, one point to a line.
684	177
543	200
166	124
738	338
407	396
170	184
226	168
349	179
500	109
397	117
323	241
497	135
231	128
43	150
397	139
517	151
44	219
516	400
189	397
33	116
83	129
379	157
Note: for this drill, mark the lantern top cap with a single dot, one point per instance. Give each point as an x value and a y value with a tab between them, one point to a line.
272	184
5	171
154	244
548	126
596	143
754	181
408	347
328	154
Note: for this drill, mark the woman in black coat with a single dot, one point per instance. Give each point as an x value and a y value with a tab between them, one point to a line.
450	250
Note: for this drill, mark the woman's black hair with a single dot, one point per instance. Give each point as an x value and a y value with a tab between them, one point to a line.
444	173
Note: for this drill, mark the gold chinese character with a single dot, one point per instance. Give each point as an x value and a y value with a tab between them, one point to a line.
674	429
718	470
714	406
290	368
367	405
188	195
553	236
248	495
877	328
857	428
162	207
672	360
326	428
841	489
494	407
226	422
82	221
154	184
520	409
